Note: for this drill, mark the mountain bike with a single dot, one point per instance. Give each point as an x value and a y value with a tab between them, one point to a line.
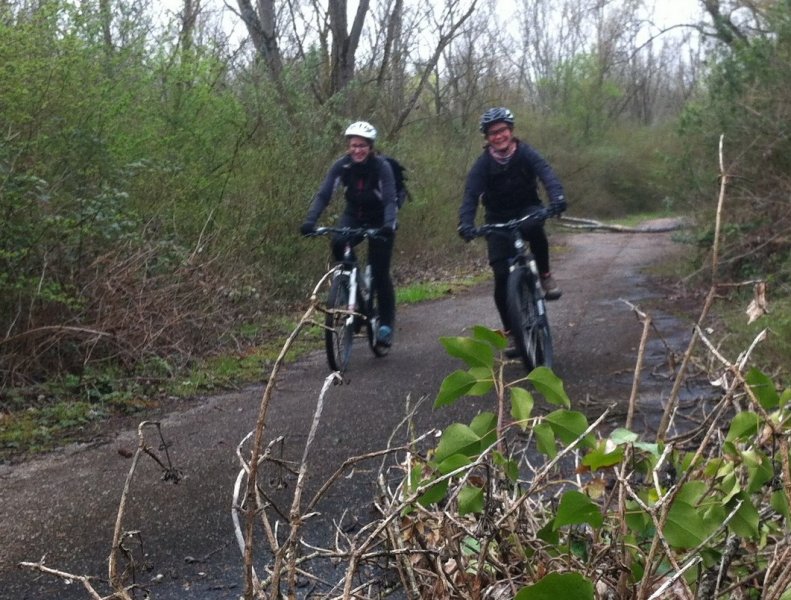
351	303
527	308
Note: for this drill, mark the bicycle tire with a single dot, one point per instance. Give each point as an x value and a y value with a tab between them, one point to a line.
529	328
338	332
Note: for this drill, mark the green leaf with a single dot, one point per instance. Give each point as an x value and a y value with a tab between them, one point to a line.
453	462
692	491
509	466
549	534
623	436
744	426
785	397
745	522
779	504
470	546
545	439
495	338
485	426
473	352
470	500
558	585
576	508
521	406
763	388
638	521
684	528
599	457
457	439
759	469
569	425
484	381
436	493
730	487
455	385
484	423
550	386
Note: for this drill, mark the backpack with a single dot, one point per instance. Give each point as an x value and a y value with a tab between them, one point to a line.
400	177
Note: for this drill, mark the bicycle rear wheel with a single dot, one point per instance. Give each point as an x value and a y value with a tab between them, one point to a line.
528	320
339	332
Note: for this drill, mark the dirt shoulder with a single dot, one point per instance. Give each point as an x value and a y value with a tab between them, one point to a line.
63	505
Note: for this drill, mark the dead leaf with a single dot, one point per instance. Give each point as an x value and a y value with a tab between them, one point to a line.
758	306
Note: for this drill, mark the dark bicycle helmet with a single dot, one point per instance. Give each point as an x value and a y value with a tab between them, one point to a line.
499	114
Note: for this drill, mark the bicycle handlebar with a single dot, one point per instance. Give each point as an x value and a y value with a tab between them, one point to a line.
541	215
348	232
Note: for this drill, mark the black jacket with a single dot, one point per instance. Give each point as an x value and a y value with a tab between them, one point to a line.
508	191
369	191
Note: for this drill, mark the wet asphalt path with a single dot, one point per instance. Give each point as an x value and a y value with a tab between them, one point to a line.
64	505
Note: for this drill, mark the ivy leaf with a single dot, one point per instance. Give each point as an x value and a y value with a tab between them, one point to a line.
558	585
455	385
743	426
763	388
576	508
684	528
495	338
470	500
569	425
473	352
457	439
521	406
550	386
545	439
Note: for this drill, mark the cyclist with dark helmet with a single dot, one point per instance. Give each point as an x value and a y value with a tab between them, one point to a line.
370	203
504	179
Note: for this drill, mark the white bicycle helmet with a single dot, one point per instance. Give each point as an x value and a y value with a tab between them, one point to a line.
361	129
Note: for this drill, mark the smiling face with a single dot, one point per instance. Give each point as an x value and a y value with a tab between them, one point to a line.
499	135
358	148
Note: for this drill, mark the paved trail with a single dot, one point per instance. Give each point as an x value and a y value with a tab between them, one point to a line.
64	505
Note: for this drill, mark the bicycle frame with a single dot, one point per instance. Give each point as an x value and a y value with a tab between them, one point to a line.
354	288
526	297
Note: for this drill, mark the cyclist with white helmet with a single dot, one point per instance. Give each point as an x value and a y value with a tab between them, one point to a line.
370	203
504	179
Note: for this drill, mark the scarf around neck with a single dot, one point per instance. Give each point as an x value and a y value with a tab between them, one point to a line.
505	156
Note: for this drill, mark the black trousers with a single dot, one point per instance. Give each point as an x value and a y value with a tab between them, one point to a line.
380	254
501	248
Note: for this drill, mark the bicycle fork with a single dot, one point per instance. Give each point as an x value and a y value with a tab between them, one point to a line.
529	261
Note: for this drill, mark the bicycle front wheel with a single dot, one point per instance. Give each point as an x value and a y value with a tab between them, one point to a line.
339	330
528	320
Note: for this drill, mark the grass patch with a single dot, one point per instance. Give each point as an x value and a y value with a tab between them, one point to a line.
773	355
431	290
